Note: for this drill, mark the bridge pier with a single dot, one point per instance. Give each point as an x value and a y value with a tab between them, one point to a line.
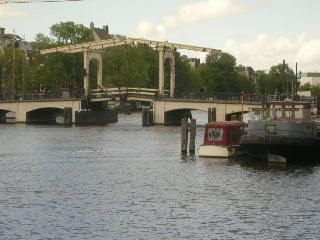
67	116
3	117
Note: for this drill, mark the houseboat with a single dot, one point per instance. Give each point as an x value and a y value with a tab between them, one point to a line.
221	139
282	132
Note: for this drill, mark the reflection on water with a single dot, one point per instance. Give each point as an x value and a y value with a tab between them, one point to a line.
123	181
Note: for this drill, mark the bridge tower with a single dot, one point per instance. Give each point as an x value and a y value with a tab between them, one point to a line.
90	54
167	53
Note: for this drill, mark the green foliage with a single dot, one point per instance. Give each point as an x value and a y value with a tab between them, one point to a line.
129	66
280	78
315	89
188	79
6	61
220	75
70	33
305	87
59	71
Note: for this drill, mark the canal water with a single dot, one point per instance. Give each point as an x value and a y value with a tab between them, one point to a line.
124	181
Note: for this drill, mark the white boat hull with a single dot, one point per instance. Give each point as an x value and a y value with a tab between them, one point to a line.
216	151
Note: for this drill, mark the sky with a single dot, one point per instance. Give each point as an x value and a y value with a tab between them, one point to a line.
259	33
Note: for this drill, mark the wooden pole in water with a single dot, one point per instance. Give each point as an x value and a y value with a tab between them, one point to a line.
242	102
184	135
144	110
209	115
148	116
193	131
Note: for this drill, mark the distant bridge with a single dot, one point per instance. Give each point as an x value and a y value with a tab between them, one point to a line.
166	109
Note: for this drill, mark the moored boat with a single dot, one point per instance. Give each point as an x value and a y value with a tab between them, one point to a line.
282	132
221	139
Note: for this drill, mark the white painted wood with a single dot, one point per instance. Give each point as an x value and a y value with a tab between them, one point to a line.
215	151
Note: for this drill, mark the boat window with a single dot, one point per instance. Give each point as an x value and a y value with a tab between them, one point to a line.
215	134
271	129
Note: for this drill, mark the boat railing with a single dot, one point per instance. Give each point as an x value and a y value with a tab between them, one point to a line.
280	114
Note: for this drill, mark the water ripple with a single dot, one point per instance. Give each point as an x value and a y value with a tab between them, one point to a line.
127	182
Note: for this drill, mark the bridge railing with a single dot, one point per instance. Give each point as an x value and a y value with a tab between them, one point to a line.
41	96
152	94
214	97
124	91
232	97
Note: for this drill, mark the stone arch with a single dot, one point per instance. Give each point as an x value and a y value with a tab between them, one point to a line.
192	106
88	56
4	116
167	53
45	115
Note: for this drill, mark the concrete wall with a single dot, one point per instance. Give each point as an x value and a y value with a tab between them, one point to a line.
222	109
21	108
312	80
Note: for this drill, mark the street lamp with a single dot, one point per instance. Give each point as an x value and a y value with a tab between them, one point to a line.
296	78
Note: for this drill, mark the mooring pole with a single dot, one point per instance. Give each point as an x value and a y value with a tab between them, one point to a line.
193	131
242	102
148	116
144	111
184	135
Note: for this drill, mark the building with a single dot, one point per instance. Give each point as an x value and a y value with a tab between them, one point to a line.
194	62
311	78
249	73
6	40
100	33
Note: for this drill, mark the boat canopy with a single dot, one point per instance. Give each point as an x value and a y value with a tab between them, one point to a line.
223	133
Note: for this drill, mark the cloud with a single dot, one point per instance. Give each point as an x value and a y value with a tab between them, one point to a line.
202	11
149	30
267	3
265	51
6	12
188	14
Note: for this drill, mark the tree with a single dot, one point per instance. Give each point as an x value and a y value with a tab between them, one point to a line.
220	74
188	79
59	70
70	33
280	78
263	82
131	66
6	61
314	89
